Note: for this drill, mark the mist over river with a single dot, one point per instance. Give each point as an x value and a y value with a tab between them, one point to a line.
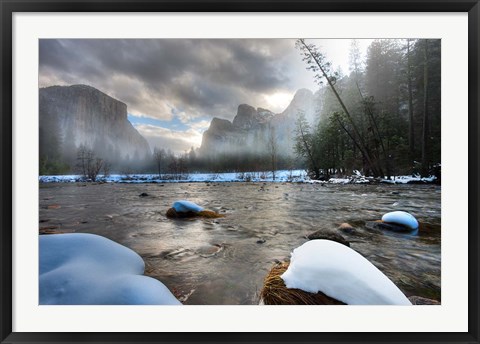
224	261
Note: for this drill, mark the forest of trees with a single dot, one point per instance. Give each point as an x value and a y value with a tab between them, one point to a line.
383	118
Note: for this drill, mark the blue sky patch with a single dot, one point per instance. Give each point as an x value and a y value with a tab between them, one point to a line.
174	124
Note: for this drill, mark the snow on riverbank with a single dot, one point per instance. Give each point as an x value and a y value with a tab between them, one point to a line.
294	176
280	176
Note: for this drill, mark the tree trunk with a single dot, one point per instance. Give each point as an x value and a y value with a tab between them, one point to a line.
411	132
425	112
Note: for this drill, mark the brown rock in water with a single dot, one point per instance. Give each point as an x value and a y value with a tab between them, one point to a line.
346	227
418	300
429	228
328	235
173	214
53	230
274	291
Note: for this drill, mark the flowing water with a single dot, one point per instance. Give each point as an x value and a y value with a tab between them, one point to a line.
224	261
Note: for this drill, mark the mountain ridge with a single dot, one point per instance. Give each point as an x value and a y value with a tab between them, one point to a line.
251	127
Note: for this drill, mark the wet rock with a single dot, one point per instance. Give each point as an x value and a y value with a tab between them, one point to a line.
328	235
382	226
261	241
429	229
53	230
208	214
173	214
143	194
346	228
418	300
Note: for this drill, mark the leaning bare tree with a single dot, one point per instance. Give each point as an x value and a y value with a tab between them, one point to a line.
318	63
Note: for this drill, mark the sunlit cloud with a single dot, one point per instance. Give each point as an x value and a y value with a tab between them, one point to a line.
177	141
278	101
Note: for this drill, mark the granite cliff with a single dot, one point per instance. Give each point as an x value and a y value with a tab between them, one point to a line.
82	115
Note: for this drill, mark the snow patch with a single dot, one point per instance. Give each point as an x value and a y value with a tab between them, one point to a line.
401	218
280	176
88	269
186	206
341	273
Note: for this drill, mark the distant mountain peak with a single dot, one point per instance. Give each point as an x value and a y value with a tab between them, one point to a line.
246	118
249	128
303	92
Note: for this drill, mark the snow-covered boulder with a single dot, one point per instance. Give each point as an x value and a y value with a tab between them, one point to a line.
187	209
401	218
88	269
186	206
341	273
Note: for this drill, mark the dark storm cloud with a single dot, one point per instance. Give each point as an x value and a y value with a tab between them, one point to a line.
157	77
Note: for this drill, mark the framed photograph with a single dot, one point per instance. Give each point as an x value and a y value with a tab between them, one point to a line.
239	172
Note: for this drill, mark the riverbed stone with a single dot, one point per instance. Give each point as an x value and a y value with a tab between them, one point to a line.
328	235
207	214
381	226
346	228
173	214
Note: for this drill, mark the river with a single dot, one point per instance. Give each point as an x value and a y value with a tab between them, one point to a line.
224	261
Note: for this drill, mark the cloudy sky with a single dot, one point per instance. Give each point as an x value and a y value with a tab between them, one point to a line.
174	87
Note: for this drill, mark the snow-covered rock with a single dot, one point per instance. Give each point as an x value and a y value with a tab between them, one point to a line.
186	206
88	269
401	218
341	273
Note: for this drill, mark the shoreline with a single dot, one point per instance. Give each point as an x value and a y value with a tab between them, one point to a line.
232	177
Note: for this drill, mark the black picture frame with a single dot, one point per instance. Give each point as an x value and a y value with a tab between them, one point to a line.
9	7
